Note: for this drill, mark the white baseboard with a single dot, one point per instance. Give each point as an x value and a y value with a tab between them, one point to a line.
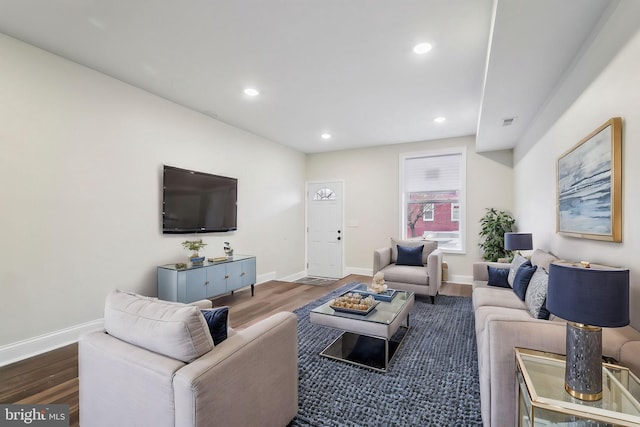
457	278
262	278
358	270
293	277
20	350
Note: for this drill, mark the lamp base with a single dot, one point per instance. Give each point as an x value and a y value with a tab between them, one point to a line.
583	371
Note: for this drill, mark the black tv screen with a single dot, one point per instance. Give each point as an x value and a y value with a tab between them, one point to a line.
197	202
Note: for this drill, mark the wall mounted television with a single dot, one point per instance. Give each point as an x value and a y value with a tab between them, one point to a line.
198	202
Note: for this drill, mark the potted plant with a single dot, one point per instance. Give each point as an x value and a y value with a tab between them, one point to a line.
194	246
494	225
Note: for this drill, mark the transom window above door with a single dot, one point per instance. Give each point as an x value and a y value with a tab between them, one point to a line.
324	194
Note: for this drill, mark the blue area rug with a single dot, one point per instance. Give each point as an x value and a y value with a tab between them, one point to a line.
432	380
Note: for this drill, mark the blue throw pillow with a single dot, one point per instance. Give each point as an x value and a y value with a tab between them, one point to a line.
516	262
410	255
521	281
217	320
498	277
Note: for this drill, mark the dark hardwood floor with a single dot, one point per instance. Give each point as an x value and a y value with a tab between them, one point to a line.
52	377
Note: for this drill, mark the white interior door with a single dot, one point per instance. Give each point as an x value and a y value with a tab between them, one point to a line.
325	234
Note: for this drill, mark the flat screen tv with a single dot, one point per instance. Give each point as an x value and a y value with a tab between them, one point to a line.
197	202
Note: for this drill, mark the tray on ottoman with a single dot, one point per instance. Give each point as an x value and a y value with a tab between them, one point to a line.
384	296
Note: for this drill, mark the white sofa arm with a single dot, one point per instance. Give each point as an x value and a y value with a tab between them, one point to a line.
107	366
202	304
381	258
503	335
480	271
257	364
434	268
629	356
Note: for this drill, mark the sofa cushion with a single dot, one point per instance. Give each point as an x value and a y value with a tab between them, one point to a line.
428	248
217	319
540	258
498	277
406	274
497	297
522	279
173	329
536	295
517	261
410	255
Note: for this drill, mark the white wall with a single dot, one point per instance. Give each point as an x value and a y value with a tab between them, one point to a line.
615	92
80	188
372	198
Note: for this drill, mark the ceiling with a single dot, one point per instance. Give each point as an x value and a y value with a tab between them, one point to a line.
343	67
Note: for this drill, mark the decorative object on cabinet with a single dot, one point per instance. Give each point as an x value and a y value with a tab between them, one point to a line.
194	246
227	249
589	298
589	186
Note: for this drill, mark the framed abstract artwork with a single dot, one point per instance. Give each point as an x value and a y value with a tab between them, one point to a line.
589	186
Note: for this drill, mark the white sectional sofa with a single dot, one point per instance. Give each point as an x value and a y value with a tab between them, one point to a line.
503	321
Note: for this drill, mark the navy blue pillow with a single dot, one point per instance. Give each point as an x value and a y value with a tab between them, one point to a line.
498	277
410	256
521	281
217	320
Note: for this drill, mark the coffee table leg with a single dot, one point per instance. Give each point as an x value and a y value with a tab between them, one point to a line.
386	355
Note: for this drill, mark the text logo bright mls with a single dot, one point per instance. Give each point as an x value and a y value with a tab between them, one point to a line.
34	415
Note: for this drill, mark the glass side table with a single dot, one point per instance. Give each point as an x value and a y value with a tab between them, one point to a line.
543	401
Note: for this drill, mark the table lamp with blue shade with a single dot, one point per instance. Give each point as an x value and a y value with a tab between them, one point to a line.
589	297
518	241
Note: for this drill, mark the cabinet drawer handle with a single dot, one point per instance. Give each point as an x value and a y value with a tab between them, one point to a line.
243	273
206	283
226	276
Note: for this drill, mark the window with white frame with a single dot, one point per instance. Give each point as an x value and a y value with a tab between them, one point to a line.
433	188
428	212
455	211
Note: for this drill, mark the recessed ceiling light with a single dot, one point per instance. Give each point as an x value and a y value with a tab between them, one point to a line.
439	119
325	136
422	48
251	91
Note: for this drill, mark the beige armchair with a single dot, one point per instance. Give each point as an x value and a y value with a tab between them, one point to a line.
155	365
424	279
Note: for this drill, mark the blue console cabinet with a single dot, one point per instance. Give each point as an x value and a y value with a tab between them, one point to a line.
208	280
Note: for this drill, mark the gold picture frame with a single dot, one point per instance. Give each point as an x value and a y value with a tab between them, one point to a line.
589	186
